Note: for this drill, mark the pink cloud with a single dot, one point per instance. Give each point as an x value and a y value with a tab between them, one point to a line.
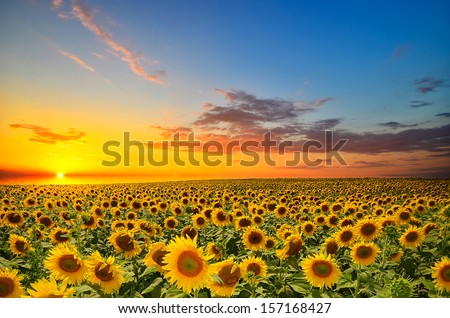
84	14
77	60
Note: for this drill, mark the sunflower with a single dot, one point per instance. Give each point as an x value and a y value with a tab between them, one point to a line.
46	221
331	246
214	250
396	256
156	255
364	253
123	241
59	235
219	217
367	229
88	221
64	261
345	236
13	219
199	221
186	265
441	274
320	220
104	273
253	266
242	222
258	220
430	227
253	238
170	223
227	276
292	246
412	237
44	288
270	243
321	270
281	211
19	245
332	220
308	228
403	216
10	286
189	231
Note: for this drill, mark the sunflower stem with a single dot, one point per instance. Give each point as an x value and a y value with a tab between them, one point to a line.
358	274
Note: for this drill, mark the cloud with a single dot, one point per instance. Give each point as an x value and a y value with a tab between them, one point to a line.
80	10
400	51
168	132
245	114
428	84
77	60
46	136
396	125
418	103
98	55
443	114
435	139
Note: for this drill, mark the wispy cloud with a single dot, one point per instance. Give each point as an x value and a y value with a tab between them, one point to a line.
46	136
81	11
419	103
98	55
396	125
77	60
400	51
443	115
428	84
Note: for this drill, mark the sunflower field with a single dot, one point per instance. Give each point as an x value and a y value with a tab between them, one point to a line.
227	238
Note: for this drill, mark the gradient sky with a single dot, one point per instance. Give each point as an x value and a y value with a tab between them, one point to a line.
76	74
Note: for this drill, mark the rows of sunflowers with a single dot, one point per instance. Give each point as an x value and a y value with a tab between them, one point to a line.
227	238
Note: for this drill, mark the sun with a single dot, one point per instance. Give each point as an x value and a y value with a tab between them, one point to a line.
60	175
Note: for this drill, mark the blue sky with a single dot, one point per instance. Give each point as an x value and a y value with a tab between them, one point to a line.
372	66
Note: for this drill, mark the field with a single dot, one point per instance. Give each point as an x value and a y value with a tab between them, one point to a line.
227	238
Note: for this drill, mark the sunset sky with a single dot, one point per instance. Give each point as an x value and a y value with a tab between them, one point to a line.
77	74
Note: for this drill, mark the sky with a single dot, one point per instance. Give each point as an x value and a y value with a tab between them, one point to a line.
90	90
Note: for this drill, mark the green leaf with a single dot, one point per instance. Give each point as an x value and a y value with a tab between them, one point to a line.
149	289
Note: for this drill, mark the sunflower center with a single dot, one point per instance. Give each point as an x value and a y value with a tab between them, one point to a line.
322	268
294	246
68	263
54	296
244	222
6	286
221	216
255	238
332	248
270	243
333	220
200	221
46	221
228	278
14	218
171	223
191	232
404	216
364	252
59	236
189	264
255	268
445	273
411	236
158	257
105	274
21	246
308	228
90	221
125	242
346	236
368	229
